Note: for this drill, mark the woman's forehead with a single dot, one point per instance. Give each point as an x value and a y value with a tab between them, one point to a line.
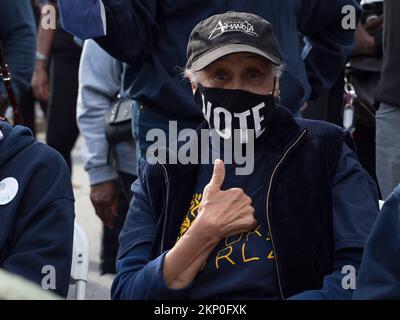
242	57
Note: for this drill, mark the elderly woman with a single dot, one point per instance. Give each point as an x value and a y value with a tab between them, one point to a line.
286	230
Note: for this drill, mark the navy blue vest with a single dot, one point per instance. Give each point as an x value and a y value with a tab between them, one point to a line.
298	201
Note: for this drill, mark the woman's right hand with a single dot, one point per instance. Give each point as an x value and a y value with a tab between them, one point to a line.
40	82
221	214
224	213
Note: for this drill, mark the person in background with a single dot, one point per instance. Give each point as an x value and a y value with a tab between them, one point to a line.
363	71
59	86
17	38
151	35
388	93
36	210
379	274
99	85
368	54
28	101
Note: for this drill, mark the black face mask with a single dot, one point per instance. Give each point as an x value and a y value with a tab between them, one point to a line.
226	110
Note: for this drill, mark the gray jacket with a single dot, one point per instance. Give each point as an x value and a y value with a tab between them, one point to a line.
99	84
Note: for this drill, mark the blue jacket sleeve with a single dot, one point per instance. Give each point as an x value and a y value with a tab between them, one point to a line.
328	44
84	19
129	25
355	202
17	37
355	206
332	288
139	278
379	276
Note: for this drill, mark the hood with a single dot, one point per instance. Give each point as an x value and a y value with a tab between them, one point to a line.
13	140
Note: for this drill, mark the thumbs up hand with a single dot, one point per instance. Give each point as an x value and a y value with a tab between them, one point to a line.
221	214
224	213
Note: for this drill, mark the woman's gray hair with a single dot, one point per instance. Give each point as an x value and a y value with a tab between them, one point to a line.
191	75
194	76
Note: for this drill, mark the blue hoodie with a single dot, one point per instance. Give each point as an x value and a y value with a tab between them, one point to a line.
152	35
379	275
36	210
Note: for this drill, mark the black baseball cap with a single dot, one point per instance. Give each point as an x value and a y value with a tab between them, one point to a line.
231	32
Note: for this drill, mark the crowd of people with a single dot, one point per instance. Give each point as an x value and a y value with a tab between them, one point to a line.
314	105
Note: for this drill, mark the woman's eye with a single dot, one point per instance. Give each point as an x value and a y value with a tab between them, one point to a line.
221	76
253	74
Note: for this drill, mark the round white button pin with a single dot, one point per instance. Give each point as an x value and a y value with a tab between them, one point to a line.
8	190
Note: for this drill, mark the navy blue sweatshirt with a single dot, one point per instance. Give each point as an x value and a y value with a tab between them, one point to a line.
36	209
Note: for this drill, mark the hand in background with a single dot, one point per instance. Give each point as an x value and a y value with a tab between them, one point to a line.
40	82
364	42
104	197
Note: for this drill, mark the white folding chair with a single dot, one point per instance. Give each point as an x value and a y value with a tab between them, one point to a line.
80	262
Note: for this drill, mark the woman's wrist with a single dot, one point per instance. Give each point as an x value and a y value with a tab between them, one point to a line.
40	65
205	233
41	60
184	261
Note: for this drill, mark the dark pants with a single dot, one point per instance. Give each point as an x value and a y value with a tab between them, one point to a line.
62	129
329	106
109	243
364	138
27	104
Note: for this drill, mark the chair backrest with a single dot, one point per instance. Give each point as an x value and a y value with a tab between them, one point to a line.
80	262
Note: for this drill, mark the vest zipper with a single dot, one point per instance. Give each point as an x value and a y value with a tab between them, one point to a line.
163	233
291	147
